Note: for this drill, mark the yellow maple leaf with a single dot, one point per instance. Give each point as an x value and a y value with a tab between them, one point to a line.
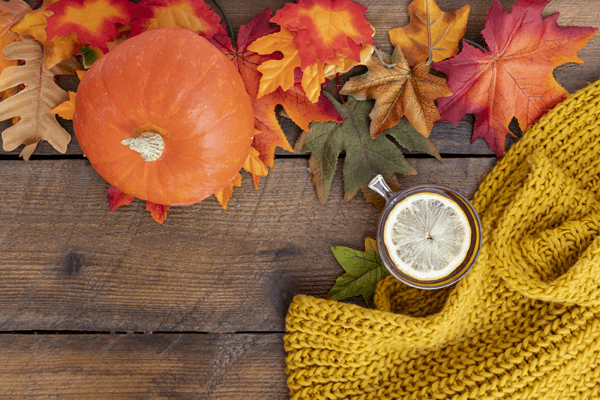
33	25
66	109
276	73
255	166
340	65
33	104
431	35
224	195
312	78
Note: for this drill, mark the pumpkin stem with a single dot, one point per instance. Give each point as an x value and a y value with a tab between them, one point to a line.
150	145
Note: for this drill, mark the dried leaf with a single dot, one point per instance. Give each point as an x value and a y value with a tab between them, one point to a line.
158	211
33	25
513	78
33	104
92	20
66	109
399	91
431	35
8	38
194	15
376	199
363	271
224	195
116	198
11	12
325	27
365	157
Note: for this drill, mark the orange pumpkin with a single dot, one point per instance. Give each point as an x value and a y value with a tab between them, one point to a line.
165	117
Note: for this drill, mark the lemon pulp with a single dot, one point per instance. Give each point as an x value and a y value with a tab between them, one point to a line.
427	235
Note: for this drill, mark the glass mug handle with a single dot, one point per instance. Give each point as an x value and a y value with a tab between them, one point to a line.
378	185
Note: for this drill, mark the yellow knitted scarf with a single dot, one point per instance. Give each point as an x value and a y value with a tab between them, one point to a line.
524	323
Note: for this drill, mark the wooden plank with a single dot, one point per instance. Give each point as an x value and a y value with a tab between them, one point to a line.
172	366
389	14
67	263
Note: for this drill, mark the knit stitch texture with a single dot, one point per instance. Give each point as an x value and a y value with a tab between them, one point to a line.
524	323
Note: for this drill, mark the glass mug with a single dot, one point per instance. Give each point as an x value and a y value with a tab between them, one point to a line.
428	236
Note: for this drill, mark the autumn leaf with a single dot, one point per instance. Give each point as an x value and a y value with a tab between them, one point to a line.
277	73
431	35
92	20
363	271
325	27
283	72
116	198
158	211
33	104
66	109
225	194
294	100
6	39
513	78
365	157
341	65
194	15
255	166
398	91
11	12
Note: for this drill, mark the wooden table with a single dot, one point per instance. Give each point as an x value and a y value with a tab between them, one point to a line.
111	305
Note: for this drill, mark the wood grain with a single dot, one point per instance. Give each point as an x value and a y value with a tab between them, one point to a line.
136	367
389	14
67	263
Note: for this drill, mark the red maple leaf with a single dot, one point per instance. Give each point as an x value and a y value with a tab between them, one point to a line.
194	15
326	26
513	78
116	198
93	20
294	100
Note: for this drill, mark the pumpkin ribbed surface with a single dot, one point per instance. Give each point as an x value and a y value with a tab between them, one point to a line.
175	83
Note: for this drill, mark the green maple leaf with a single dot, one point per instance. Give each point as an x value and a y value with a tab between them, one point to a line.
365	157
363	271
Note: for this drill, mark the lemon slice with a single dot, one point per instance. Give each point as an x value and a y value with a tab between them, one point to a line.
427	235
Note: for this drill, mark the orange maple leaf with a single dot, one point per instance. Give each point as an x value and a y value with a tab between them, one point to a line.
431	35
255	165
398	91
194	15
325	27
66	109
224	195
92	20
294	100
34	24
281	73
158	211
513	78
